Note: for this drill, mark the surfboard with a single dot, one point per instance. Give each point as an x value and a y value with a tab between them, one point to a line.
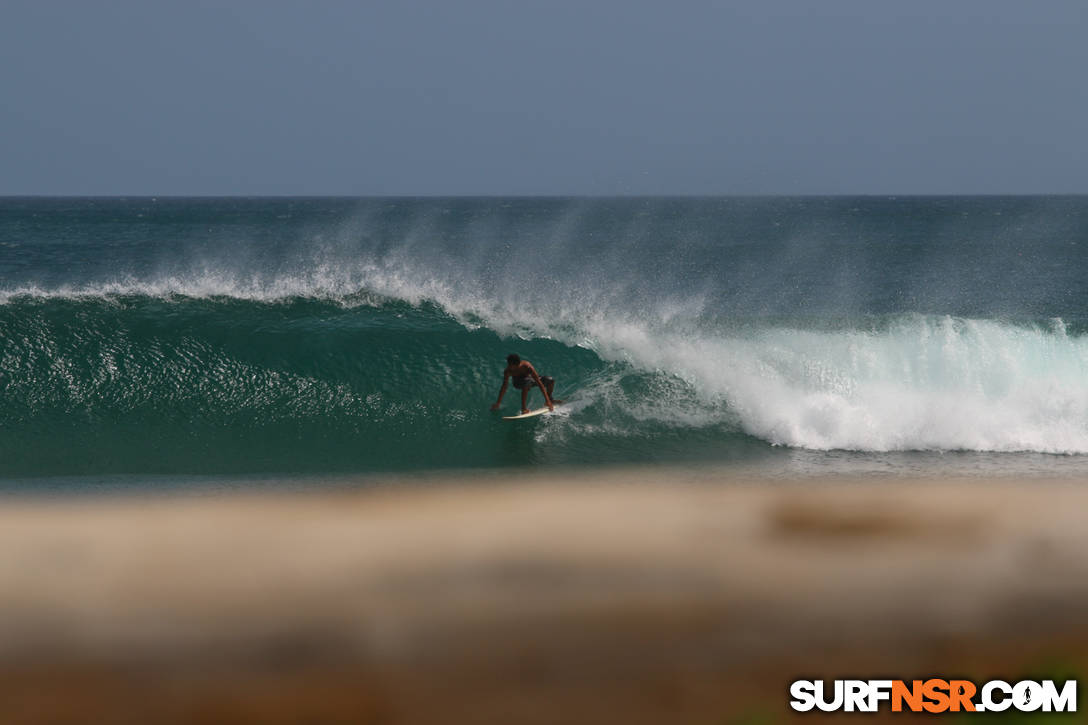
533	413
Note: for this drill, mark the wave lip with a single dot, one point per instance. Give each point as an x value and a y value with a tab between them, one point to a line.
318	284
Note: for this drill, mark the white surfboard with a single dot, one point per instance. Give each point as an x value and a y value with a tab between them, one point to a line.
532	413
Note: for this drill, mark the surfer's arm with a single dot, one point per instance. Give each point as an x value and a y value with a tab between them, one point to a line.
502	391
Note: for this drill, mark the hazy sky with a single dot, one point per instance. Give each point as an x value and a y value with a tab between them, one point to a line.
508	97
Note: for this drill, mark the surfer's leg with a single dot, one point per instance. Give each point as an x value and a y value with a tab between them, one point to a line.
549	383
525	398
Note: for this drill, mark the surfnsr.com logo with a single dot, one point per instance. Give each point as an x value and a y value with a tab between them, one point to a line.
933	695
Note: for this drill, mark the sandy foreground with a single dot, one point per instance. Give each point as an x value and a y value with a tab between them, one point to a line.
626	596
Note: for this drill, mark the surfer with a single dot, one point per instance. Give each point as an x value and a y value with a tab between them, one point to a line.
525	378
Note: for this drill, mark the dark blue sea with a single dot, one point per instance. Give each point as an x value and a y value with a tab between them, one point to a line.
185	339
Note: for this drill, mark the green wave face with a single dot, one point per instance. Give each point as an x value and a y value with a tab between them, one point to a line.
144	385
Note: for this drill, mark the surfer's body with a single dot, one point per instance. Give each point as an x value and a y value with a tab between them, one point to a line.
525	378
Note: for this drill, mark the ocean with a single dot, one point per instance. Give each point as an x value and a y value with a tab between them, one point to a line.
150	340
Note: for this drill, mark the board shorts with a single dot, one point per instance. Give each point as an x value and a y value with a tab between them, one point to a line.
526	381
